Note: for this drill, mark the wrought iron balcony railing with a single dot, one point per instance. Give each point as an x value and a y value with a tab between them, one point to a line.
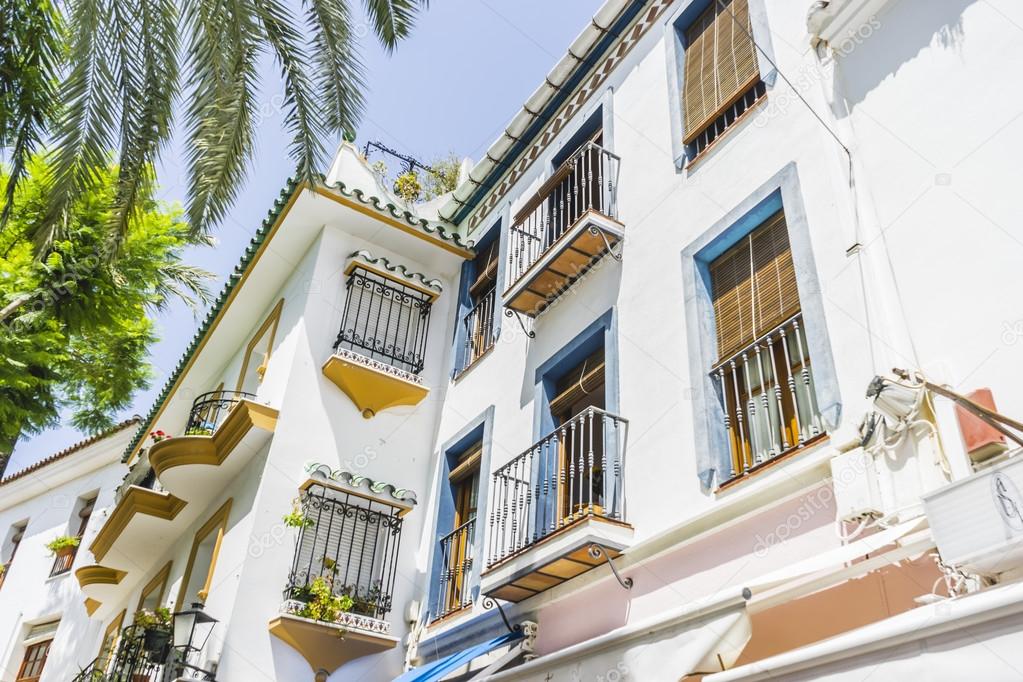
767	395
456	551
479	328
137	660
587	181
572	474
385	320
351	544
210	409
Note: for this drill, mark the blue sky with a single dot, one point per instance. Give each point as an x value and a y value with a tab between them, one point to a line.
452	87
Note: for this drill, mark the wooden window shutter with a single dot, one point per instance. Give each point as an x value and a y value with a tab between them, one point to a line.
720	63
580	381
754	286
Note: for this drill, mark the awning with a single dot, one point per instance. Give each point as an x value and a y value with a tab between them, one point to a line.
442	666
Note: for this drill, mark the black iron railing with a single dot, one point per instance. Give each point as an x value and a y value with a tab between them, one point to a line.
456	550
136	660
767	396
479	328
573	473
210	409
587	181
385	320
350	543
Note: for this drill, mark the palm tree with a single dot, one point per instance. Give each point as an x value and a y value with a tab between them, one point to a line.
87	76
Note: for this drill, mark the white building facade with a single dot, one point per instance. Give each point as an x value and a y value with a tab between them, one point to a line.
608	411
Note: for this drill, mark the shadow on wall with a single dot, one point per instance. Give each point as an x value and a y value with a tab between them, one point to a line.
894	37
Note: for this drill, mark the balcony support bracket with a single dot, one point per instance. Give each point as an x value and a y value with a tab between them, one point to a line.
597	551
594	230
489	603
508	312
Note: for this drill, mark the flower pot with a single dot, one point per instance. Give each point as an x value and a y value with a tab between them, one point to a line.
155	640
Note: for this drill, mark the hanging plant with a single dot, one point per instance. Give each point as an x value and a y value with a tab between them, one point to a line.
62	543
408	187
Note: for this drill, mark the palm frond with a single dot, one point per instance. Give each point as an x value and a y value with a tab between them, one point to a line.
146	33
339	75
303	116
393	19
87	124
184	282
32	32
223	46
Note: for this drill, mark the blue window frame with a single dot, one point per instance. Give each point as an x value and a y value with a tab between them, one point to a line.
478	323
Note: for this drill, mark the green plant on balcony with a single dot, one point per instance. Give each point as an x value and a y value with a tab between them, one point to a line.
63	543
320	602
296	518
199	431
156	626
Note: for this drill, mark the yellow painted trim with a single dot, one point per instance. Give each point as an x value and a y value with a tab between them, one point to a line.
113	628
371	389
135	501
271	322
390	277
223	309
408	229
91	605
212	450
321	644
158	580
218	523
98	575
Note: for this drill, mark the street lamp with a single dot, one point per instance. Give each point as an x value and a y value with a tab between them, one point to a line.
192	627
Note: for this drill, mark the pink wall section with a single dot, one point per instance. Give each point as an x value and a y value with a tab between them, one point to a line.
774	537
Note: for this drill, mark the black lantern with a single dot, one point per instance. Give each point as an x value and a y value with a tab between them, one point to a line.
192	627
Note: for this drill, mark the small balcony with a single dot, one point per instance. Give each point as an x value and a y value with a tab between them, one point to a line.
380	349
564	230
210	409
343	572
456	551
479	329
768	399
553	502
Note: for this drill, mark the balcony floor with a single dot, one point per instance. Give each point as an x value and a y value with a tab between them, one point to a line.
564	262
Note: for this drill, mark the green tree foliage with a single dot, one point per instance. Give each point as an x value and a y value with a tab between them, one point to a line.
444	179
74	331
91	75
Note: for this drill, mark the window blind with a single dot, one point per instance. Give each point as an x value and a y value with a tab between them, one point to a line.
720	63
753	286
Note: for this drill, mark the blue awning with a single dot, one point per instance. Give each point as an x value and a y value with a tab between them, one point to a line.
442	666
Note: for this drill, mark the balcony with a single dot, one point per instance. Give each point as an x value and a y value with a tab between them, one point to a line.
564	230
136	659
343	572
479	329
381	347
456	551
553	502
767	395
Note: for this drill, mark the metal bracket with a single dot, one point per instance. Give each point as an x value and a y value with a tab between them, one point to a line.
489	603
594	230
508	312
596	551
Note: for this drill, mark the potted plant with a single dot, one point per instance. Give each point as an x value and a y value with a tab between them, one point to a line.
408	187
156	628
321	603
158	436
296	518
63	544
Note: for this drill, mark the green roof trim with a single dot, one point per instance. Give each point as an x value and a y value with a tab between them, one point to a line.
399	270
432	228
282	200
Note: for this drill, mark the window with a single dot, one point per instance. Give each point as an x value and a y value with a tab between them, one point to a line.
152	593
110	637
34	662
64	559
762	370
351	544
198	578
478	329
721	75
385	320
257	353
10	548
457	546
